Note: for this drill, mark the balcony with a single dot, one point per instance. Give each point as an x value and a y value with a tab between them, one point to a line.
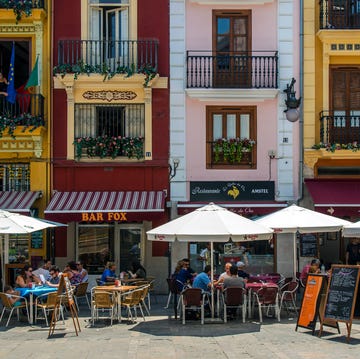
107	57
256	70
339	14
21	5
27	111
339	129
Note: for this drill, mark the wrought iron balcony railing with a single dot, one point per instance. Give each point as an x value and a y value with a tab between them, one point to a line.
28	110
32	4
258	69
339	129
100	56
339	14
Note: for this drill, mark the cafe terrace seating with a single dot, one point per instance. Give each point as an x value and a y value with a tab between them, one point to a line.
80	293
193	299
46	303
102	301
234	297
288	296
9	306
132	301
267	297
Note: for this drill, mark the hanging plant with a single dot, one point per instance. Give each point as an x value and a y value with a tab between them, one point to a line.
232	150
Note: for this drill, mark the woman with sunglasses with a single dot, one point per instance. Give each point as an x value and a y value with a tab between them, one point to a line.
26	277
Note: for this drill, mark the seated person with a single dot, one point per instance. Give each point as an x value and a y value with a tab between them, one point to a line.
109	274
225	274
234	280
9	291
73	274
44	270
137	270
83	272
55	277
190	270
203	281
314	265
241	272
26	277
183	276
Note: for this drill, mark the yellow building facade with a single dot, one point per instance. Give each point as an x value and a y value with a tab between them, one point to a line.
25	151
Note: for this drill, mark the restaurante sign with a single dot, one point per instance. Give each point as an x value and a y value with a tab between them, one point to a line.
232	191
101	217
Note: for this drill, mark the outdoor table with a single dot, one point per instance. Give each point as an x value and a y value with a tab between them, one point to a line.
254	287
118	290
33	293
265	278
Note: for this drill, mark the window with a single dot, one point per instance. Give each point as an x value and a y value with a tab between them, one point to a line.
110	130
15	177
231	137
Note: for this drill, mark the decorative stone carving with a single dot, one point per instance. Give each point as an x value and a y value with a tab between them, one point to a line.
109	95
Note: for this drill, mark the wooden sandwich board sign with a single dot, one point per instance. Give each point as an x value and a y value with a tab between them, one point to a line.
341	295
65	296
310	303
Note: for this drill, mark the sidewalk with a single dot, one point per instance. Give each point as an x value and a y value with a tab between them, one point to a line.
161	336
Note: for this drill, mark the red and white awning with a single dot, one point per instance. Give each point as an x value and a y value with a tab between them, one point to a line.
19	202
73	204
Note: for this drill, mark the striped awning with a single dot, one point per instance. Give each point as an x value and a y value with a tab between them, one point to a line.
73	205
19	202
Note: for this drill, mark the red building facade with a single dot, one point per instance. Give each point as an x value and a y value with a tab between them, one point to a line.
110	131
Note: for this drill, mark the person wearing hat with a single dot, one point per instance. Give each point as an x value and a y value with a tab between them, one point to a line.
241	273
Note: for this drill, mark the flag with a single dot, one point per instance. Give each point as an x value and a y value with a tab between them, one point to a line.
11	97
34	76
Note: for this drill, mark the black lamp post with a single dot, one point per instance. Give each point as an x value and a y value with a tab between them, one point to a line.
292	103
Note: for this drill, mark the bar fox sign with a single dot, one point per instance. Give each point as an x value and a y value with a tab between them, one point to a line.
103	216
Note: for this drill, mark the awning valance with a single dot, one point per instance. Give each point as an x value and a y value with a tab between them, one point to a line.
243	208
335	197
18	201
105	206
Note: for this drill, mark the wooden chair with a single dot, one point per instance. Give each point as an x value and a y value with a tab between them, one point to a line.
193	299
234	297
8	305
132	301
102	301
81	292
268	297
46	303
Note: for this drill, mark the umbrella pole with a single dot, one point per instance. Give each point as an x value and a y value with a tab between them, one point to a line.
2	263
295	257
212	278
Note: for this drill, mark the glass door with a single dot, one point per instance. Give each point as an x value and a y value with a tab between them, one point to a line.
130	246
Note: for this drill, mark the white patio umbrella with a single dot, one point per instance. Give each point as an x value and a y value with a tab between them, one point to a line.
210	223
295	219
352	230
14	223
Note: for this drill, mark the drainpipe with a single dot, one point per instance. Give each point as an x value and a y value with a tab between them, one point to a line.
301	87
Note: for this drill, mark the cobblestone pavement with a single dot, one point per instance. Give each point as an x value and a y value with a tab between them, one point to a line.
161	336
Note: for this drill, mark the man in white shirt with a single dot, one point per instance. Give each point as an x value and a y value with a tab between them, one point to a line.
44	270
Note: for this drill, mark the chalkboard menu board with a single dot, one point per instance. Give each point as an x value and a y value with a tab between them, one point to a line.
341	293
37	240
308	245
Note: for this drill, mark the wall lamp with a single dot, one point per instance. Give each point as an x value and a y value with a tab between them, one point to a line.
173	167
292	112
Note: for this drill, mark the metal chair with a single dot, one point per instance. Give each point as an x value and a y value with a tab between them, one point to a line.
8	303
234	297
102	301
288	296
194	299
131	301
268	297
81	292
47	303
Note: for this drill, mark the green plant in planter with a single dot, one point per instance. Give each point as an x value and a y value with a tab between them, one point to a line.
332	147
82	68
28	121
109	146
232	149
20	7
